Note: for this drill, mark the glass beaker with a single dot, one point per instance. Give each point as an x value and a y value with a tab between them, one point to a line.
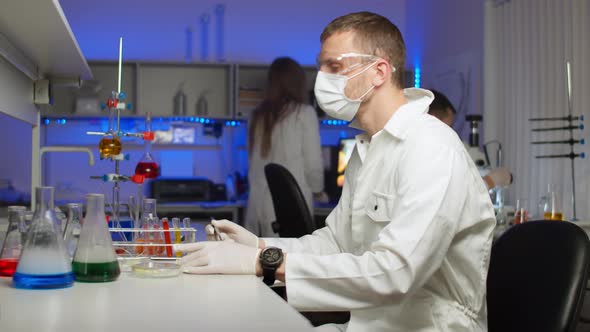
150	224
147	166
73	227
110	144
95	259
14	240
44	261
521	214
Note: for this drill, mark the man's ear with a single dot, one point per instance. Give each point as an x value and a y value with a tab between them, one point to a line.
384	73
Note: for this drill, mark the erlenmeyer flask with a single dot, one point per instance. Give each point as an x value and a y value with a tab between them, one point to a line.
13	243
44	261
73	227
147	166
110	144
95	259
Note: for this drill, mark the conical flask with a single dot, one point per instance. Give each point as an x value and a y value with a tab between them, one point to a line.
14	241
44	261
73	227
95	259
147	166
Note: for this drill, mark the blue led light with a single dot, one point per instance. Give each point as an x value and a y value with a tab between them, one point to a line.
207	120
417	77
233	123
201	120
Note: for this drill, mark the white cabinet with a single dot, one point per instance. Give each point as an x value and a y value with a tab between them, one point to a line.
159	83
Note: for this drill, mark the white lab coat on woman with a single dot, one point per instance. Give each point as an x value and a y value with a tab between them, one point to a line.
407	247
296	146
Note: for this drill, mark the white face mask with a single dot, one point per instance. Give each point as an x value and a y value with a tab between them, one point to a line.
329	93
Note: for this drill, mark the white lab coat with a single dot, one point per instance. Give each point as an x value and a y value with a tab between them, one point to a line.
295	145
407	247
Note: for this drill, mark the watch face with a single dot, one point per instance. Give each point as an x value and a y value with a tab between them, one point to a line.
272	256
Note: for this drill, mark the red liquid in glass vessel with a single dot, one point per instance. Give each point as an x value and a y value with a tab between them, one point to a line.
8	266
149	170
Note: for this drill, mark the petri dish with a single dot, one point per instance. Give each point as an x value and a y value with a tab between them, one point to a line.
125	263
154	269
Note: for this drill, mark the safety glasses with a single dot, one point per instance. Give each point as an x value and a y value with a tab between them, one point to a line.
345	62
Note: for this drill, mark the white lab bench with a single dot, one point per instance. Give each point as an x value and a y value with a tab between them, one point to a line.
184	303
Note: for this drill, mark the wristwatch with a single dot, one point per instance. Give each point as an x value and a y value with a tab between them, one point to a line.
270	259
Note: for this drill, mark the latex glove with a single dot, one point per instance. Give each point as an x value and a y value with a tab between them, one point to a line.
500	177
212	257
232	231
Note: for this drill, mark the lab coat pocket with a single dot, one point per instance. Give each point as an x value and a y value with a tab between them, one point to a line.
379	206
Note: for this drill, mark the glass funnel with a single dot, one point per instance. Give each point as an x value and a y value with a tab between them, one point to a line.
147	166
73	227
95	259
13	243
44	261
110	144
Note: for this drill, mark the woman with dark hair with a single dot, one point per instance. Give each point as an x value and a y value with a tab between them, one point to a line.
283	130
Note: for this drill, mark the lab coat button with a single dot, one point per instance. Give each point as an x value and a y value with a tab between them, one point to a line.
375	207
362	142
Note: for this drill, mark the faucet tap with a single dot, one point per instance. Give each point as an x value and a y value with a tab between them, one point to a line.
57	148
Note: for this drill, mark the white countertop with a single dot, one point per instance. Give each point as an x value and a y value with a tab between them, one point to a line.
184	303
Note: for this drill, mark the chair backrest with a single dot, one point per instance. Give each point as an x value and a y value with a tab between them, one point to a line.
537	277
291	210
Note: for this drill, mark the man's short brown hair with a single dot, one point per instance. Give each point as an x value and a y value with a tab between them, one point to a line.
374	34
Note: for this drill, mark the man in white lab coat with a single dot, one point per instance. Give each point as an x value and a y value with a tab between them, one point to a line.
407	247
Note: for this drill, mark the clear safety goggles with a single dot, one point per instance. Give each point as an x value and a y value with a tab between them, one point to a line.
345	63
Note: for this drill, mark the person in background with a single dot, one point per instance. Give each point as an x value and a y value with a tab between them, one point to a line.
442	108
283	130
407	247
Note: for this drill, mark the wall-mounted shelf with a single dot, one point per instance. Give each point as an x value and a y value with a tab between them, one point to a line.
40	32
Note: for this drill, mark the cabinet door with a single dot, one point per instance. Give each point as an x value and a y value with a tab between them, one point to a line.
160	84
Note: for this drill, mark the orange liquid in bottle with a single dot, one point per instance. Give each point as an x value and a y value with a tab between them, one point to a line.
109	146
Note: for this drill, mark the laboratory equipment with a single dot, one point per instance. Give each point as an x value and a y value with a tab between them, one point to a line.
188	47
95	259
73	227
167	238
179	101
521	214
44	261
110	144
14	240
220	36
204	20
150	224
146	166
570	127
177	234
202	107
152	269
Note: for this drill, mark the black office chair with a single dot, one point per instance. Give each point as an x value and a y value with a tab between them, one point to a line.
537	277
292	213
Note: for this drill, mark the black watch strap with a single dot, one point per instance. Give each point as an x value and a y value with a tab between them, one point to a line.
268	275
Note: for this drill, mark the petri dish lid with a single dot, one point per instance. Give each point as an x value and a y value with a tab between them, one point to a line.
153	269
125	263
